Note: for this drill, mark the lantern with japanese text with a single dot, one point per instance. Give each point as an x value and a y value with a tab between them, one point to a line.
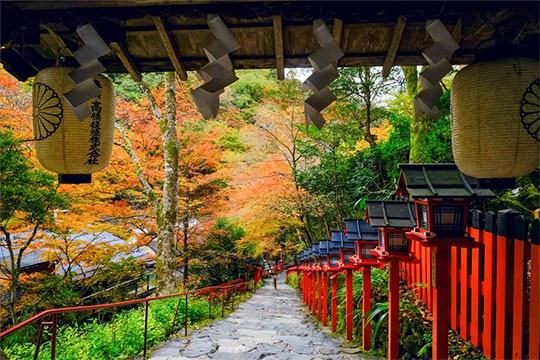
64	144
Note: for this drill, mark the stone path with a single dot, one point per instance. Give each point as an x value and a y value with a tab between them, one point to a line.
271	325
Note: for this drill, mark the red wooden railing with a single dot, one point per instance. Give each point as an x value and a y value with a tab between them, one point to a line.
494	289
222	290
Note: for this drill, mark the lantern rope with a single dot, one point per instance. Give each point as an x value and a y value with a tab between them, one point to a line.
219	72
325	71
437	56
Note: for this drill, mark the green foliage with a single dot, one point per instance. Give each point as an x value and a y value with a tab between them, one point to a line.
249	88
126	88
231	141
120	338
24	189
293	280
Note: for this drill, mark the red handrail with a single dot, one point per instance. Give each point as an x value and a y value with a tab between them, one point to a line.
236	284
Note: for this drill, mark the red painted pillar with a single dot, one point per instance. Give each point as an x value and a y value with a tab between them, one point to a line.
349	306
366	307
314	295
534	311
334	302
325	299
308	288
304	286
393	311
319	298
441	292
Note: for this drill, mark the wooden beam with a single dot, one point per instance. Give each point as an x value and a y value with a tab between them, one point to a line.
394	45
126	60
170	47
278	46
337	30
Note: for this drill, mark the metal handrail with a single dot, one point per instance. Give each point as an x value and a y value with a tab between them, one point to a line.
212	291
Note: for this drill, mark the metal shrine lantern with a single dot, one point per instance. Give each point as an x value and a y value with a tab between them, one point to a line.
315	257
323	253
442	195
365	239
334	254
392	220
65	144
346	247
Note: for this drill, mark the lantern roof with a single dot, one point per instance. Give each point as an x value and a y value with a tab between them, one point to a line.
390	213
360	230
339	239
323	247
440	181
315	250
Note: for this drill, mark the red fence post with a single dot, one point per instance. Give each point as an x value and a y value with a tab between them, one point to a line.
454	277
464	293
393	311
334	302
325	299
520	285
314	294
505	286
366	307
488	288
319	298
441	301
477	225
349	306
534	308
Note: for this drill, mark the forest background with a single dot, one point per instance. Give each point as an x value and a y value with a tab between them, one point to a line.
253	183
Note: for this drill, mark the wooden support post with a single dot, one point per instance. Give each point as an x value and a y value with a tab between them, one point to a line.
334	302
170	47
441	303
349	306
366	307
122	53
394	45
319	297
393	311
278	47
325	299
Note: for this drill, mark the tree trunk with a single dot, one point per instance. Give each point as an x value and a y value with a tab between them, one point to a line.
166	264
419	127
185	251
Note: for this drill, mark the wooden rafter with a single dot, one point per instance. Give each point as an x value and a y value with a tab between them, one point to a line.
394	45
126	60
337	32
170	47
278	46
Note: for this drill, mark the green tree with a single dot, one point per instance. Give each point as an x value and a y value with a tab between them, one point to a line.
28	199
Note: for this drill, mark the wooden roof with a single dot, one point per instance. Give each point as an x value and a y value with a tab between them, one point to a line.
150	35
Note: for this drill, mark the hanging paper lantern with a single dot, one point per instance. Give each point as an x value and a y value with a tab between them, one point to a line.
495	118
72	148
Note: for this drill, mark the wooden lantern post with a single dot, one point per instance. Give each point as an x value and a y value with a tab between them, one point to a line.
365	238
332	268
442	195
323	281
392	219
345	264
